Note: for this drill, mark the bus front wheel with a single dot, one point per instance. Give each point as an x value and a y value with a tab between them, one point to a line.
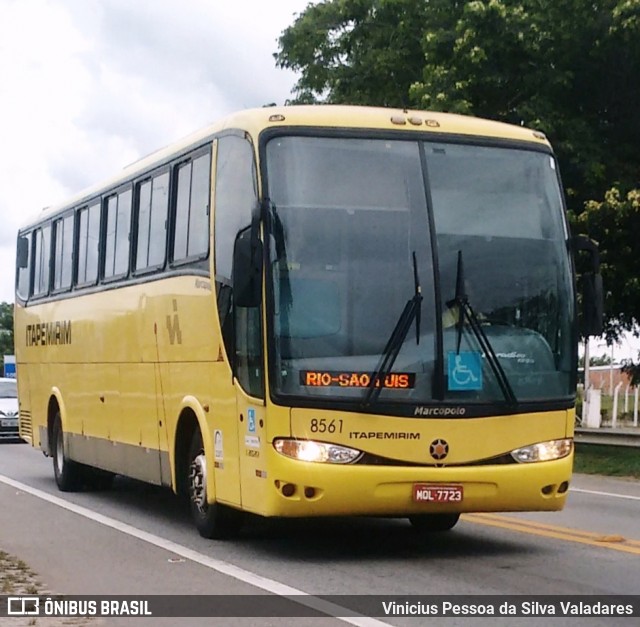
68	473
434	522
213	520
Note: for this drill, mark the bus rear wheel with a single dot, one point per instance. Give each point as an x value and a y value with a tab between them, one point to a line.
68	474
434	522
213	520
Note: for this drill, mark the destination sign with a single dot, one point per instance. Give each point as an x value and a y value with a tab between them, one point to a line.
327	378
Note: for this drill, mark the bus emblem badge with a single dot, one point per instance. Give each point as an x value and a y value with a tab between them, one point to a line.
439	449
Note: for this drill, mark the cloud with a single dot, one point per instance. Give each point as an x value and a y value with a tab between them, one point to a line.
89	86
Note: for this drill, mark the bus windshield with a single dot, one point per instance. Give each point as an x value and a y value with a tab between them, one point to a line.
485	222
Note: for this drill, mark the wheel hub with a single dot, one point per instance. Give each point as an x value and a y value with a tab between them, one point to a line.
198	482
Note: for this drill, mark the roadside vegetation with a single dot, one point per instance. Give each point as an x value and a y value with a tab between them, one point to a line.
16	577
615	461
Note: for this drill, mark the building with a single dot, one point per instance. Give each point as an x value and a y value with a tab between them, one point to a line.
605	378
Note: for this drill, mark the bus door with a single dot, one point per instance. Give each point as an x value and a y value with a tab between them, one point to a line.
223	421
249	382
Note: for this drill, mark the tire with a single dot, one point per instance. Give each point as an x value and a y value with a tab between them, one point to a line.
68	474
434	522
212	520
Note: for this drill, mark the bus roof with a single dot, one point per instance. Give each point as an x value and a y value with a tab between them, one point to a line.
254	121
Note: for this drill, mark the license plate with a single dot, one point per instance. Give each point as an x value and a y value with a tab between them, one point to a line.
424	493
9	422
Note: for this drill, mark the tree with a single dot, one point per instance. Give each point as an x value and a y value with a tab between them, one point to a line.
615	224
602	360
356	51
567	67
6	329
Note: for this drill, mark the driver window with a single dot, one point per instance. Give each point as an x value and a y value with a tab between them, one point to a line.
235	198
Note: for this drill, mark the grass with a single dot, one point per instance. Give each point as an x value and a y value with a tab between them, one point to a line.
615	461
16	577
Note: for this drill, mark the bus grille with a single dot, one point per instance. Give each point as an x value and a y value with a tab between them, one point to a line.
26	428
368	459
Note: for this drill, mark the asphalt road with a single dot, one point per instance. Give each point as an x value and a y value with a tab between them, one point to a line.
138	539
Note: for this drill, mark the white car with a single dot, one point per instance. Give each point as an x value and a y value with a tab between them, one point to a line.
8	409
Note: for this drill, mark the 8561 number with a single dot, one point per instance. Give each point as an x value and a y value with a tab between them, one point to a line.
322	425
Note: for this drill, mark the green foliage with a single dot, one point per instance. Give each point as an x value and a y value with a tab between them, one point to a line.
562	66
567	67
602	360
617	461
6	329
615	224
355	51
632	370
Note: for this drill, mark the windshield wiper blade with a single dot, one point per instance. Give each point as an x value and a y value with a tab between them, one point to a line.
466	312
412	311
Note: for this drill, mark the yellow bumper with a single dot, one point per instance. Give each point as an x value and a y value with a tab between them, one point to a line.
296	489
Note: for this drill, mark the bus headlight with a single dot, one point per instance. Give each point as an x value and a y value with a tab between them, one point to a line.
311	451
543	451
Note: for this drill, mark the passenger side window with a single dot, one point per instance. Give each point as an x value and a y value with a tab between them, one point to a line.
118	219
192	209
88	244
63	256
236	197
42	261
24	274
153	204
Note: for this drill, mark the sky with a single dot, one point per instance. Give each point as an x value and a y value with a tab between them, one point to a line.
90	86
627	348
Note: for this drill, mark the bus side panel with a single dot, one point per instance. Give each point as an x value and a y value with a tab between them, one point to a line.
28	431
192	364
32	343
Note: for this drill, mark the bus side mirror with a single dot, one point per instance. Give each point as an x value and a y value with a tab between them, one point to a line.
247	268
592	291
22	260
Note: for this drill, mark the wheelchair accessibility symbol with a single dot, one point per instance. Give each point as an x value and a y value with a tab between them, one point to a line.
464	370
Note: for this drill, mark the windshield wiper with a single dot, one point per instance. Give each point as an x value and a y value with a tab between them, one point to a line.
412	311
466	312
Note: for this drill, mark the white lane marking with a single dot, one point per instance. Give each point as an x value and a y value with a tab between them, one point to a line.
253	579
613	494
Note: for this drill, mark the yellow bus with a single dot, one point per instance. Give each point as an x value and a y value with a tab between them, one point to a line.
311	311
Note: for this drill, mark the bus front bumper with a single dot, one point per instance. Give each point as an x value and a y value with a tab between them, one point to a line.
298	489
